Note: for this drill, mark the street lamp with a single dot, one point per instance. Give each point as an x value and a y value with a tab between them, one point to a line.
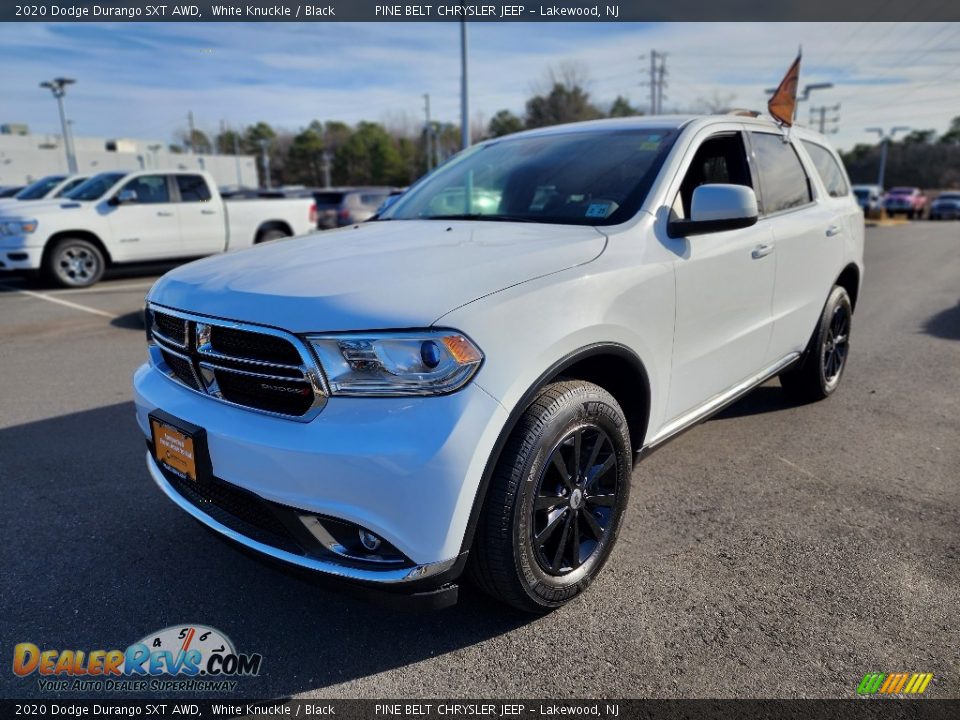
464	100
58	86
885	139
806	90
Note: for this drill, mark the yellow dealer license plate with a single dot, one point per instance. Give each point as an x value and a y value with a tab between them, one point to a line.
174	449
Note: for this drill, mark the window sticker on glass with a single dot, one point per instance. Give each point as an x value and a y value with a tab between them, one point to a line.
651	142
598	210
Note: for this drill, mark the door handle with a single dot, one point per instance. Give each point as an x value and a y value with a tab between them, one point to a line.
162	213
208	212
834	230
761	251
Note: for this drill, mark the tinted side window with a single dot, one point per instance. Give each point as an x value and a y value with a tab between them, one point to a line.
193	188
720	159
783	181
828	168
70	186
149	189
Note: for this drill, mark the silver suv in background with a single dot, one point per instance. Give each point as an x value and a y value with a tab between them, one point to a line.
345	206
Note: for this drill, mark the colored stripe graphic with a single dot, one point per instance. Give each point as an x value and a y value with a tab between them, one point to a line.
894	683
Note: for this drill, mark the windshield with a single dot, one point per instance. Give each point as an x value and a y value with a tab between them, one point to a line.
596	177
40	188
95	187
901	191
949	196
862	194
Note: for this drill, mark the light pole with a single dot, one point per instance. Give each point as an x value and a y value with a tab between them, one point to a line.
464	105
58	86
806	92
264	144
885	139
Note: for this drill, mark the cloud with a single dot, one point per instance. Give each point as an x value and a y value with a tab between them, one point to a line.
140	80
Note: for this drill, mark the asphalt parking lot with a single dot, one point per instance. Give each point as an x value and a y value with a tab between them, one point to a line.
775	551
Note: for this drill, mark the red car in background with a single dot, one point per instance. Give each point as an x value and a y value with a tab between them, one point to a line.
909	201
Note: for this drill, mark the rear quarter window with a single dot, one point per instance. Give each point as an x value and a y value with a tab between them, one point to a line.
828	168
783	181
193	188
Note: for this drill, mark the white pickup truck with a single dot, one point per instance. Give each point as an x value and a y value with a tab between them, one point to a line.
119	217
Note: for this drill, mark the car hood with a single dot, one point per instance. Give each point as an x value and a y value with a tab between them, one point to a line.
391	274
24	209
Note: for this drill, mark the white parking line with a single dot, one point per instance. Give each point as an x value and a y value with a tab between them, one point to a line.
104	289
58	301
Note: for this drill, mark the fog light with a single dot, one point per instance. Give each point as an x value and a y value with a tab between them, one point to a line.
369	541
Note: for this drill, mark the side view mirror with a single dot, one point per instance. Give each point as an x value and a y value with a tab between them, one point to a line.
717	207
124	197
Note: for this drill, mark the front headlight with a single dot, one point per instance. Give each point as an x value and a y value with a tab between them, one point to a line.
429	362
17	227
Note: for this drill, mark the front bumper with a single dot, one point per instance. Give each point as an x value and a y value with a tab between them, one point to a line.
14	256
406	469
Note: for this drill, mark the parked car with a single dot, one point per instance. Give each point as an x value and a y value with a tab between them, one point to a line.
869	198
909	201
51	186
946	206
391	199
348	206
10	190
469	387
119	217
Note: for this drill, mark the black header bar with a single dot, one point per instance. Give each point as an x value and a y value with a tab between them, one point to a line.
441	11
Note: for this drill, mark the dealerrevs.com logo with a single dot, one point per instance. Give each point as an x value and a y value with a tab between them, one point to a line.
901	683
187	657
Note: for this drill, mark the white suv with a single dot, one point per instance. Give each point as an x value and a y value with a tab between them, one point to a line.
466	381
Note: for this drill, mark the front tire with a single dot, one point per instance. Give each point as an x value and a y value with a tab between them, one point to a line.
556	500
819	373
74	263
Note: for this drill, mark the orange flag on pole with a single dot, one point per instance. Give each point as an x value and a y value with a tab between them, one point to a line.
783	104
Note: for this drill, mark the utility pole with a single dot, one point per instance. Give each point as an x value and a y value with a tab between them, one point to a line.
58	86
326	168
657	82
885	138
429	131
191	131
818	117
265	157
653	82
464	104
236	156
661	82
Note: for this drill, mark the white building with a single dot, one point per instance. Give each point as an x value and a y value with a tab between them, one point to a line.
25	158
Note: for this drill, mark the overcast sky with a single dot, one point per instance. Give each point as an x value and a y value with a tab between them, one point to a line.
140	80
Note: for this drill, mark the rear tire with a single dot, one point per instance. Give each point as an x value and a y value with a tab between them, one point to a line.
74	263
556	500
270	234
819	373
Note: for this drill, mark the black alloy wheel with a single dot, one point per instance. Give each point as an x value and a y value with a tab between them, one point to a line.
574	501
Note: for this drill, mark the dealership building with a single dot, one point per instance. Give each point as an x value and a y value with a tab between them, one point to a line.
25	158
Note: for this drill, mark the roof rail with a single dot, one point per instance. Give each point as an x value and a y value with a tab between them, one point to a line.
741	112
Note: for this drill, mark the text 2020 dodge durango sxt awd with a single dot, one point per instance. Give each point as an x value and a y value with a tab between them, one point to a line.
465	382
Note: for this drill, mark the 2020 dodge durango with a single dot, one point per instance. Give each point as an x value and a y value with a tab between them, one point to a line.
465	383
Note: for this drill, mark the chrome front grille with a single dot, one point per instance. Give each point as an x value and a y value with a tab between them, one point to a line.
251	366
